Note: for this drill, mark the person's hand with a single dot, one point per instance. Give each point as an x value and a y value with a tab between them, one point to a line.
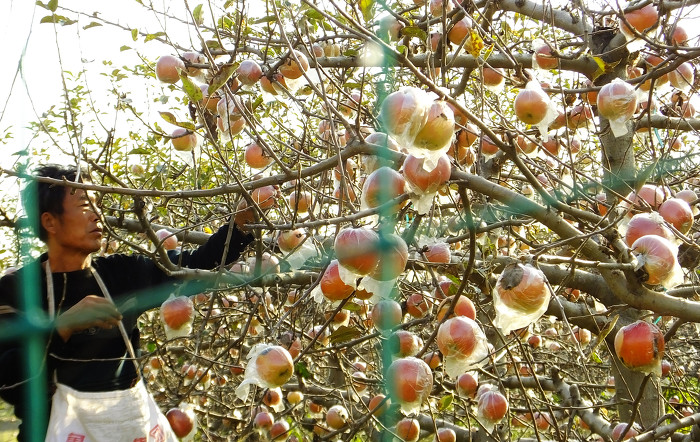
244	215
91	311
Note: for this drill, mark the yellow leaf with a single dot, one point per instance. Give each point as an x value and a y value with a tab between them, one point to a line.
474	43
208	230
605	332
603	67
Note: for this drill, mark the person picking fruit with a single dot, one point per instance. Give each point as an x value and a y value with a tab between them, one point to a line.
87	352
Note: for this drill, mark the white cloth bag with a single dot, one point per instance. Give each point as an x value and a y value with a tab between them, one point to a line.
108	416
130	415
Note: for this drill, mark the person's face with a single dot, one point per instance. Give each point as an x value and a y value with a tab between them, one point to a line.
78	228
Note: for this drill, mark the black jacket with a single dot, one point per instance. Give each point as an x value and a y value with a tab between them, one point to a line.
93	360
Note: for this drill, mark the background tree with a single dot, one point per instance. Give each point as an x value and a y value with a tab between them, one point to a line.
500	232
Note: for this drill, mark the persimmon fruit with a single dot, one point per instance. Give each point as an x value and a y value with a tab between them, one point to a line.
274	366
466	385
464	307
457	337
544	57
531	105
337	416
382	185
294	65
255	156
617	100
183	139
180	421
249	72
659	256
357	249
426	182
168	68
408	429
438	253
640	345
641	19
678	213
386	314
522	287
332	286
176	312
643	224
167	239
492	406
265	196
392	259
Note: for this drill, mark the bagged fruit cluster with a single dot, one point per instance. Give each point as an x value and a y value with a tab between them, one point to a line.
463	345
423	182
409	382
419	122
658	257
533	106
269	366
617	102
492	406
177	315
640	347
521	297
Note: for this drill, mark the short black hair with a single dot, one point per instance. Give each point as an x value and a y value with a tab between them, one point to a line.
39	197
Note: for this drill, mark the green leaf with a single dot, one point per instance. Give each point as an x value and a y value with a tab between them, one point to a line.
158	183
344	334
134	34
445	402
198	14
596	358
124	48
414	31
151	347
140	150
55	18
92	24
314	14
366	7
52	5
222	76
213	45
301	370
150	37
192	90
454	286
267	19
42	4
225	23
257	103
170	118
352	307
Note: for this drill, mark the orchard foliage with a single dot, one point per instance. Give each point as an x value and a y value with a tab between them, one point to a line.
560	121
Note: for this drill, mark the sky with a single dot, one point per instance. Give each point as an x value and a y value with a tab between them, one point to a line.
27	92
41	50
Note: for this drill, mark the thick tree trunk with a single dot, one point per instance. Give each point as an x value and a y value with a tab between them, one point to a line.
628	391
619	166
620	175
